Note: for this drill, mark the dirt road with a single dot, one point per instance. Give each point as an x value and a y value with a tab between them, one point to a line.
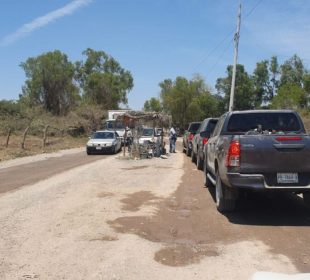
148	219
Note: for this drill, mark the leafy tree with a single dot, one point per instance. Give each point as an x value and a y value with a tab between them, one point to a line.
274	76
262	82
102	80
245	97
292	71
152	105
266	80
290	96
188	100
50	82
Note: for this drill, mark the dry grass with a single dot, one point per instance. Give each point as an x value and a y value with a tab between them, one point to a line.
33	145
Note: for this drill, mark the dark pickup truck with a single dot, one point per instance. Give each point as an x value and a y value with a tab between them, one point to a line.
262	150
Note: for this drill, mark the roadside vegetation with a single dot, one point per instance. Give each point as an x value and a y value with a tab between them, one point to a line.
62	101
270	86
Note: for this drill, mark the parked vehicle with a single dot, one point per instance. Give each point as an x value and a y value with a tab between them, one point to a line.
119	127
104	141
147	135
188	137
261	150
200	139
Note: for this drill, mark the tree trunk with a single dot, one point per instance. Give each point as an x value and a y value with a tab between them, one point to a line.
8	138
24	137
44	137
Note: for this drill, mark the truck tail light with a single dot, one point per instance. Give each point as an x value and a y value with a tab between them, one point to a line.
191	136
288	138
233	156
205	140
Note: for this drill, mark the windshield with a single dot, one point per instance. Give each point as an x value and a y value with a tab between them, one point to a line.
114	125
147	132
103	135
271	122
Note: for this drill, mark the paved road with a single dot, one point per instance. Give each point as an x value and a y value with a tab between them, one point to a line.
15	177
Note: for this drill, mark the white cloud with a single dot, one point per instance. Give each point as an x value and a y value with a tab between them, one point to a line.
43	20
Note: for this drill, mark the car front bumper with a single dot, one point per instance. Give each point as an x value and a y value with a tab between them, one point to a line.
98	150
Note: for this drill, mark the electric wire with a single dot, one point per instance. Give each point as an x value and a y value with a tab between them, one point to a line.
231	33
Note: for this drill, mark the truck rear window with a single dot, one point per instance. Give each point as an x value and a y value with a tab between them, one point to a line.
273	122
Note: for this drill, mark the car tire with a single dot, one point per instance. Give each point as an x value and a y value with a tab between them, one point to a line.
193	156
88	152
199	162
306	197
188	151
225	200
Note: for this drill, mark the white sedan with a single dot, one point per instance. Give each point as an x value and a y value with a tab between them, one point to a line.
104	141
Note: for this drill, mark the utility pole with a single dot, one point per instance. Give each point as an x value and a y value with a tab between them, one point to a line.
233	80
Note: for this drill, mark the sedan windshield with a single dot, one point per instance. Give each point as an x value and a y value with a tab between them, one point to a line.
147	132
103	135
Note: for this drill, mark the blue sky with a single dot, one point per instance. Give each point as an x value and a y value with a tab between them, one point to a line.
154	40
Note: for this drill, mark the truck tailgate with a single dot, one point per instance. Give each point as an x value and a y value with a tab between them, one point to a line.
271	155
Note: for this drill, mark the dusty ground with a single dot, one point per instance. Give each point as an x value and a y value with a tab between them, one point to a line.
148	219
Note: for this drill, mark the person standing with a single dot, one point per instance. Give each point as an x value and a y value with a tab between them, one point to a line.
172	139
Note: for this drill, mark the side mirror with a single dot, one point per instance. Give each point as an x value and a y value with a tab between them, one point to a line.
205	134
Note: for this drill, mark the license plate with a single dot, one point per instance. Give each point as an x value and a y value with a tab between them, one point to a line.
287	178
98	148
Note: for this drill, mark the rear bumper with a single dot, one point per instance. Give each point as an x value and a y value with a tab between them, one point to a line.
258	182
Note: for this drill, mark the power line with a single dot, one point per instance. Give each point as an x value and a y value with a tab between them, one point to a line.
220	56
232	32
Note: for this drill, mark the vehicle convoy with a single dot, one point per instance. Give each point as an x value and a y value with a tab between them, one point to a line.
188	137
103	141
259	150
200	139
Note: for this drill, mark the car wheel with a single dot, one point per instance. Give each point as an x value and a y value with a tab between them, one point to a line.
306	197
199	162
88	152
188	151
193	156
225	200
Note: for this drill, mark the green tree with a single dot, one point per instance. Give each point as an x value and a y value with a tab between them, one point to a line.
245	97
261	82
102	80
188	100
274	76
152	105
50	82
292	71
290	96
